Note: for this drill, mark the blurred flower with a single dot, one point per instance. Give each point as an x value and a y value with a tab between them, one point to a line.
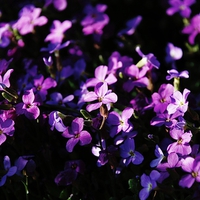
173	73
193	28
173	53
59	5
181	6
70	172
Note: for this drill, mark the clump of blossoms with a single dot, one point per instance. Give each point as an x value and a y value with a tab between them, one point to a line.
94	104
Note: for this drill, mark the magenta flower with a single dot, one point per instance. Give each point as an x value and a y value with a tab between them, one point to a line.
148	183
4	80
131	25
76	134
181	6
58	4
120	122
41	85
193	28
70	172
28	107
162	98
57	31
173	73
10	170
6	129
192	166
128	153
178	102
29	17
181	145
101	75
102	94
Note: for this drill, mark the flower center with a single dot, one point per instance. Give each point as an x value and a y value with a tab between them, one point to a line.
150	186
179	141
131	153
194	174
39	87
77	135
1	131
162	100
74	166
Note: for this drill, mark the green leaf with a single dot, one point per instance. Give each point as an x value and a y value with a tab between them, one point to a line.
85	114
64	194
133	185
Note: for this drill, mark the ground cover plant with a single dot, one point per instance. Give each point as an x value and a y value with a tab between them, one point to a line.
99	99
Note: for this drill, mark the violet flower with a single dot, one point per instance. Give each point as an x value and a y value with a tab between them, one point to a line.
131	26
160	156
57	31
178	102
29	17
6	129
4	79
76	134
148	183
181	145
128	153
192	29
100	93
101	75
173	53
59	5
9	170
173	73
28	107
70	172
5	35
192	166
120	122
181	6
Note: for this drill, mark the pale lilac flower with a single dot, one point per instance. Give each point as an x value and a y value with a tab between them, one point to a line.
192	166
178	102
101	94
55	121
76	134
148	183
193	28
57	31
59	5
4	79
70	172
173	73
101	75
128	153
120	122
181	6
10	170
28	107
131	26
29	17
181	145
6	129
5	35
160	156
173	53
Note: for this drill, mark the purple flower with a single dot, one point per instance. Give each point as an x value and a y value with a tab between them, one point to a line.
148	183
70	172
101	75
76	134
6	129
55	121
128	153
29	107
173	73
192	166
136	77
181	145
4	80
57	99
178	102
41	85
162	98
120	122
123	136
173	53
5	34
58	4
9	170
29	16
102	94
160	156
181	6
131	25
192	29
57	31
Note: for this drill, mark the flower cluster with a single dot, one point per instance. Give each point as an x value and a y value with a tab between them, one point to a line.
93	105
